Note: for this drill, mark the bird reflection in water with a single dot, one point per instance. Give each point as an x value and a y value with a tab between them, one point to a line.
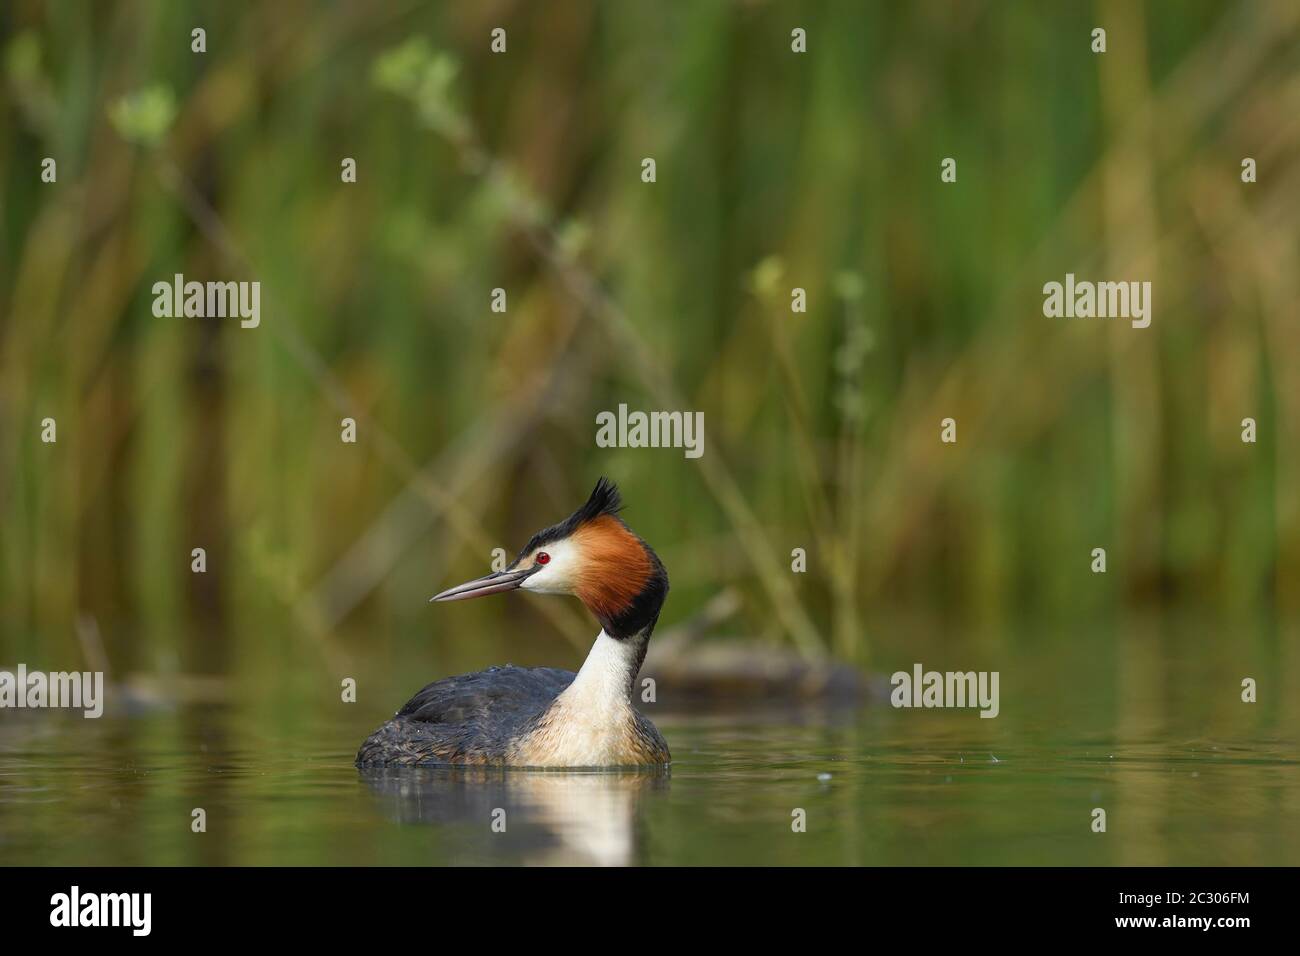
550	817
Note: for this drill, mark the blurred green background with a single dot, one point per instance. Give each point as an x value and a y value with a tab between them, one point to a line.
523	171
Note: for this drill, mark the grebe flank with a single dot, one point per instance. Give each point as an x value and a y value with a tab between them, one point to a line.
542	716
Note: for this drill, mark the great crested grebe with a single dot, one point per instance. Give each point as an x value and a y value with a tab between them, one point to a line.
542	716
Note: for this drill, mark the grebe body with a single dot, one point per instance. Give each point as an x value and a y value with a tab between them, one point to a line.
545	717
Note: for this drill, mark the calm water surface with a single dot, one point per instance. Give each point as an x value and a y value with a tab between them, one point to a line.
878	787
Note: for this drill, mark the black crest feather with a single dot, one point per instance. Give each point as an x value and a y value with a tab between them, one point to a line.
605	500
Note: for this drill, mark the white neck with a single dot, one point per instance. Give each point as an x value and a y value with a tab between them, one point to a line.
604	682
592	723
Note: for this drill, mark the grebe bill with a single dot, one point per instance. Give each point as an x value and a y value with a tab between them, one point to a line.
544	717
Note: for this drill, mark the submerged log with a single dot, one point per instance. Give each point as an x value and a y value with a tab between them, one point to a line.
692	669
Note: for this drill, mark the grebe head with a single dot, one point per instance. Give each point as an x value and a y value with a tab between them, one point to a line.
591	554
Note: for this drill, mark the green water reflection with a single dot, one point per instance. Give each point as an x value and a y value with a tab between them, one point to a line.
878	786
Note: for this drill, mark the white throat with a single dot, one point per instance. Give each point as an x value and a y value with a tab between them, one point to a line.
604	683
592	722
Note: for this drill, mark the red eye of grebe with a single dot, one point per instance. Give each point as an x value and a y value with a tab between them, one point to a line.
542	557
